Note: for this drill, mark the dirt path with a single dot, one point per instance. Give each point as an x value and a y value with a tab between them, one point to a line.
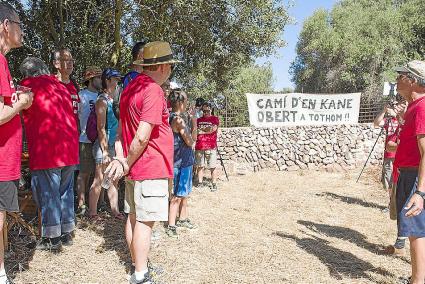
268	227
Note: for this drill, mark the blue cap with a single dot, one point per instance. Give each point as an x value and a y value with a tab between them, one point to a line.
108	73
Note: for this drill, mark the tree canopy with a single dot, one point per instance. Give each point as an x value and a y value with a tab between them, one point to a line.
213	38
354	46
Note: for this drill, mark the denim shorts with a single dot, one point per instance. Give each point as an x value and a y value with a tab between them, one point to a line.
98	154
406	186
182	182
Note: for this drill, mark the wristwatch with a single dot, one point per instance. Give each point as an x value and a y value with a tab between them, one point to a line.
420	193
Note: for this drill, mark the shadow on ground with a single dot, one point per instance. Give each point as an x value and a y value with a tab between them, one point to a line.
352	200
343	233
340	263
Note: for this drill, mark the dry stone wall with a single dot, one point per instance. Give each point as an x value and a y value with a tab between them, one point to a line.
302	147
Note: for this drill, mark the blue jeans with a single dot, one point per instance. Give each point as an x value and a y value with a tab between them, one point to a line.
53	192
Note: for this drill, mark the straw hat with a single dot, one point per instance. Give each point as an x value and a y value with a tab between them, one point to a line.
155	53
91	72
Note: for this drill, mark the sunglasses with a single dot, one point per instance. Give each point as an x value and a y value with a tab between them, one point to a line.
21	26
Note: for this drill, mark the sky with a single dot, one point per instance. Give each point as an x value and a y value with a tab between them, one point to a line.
300	11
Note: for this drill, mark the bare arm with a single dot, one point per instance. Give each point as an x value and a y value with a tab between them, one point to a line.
179	126
119	152
9	112
139	142
380	118
101	108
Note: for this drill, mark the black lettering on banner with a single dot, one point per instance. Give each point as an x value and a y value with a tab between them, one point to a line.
278	116
278	103
269	116
269	103
294	102
349	101
260	116
323	104
339	117
259	103
302	117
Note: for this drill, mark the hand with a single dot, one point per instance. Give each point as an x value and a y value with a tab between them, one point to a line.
117	169
414	206
25	100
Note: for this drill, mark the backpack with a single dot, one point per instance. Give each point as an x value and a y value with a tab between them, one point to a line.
91	126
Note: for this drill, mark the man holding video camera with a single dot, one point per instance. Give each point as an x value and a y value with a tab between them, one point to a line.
410	160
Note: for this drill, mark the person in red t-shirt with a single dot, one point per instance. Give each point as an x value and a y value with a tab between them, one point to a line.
387	119
11	103
206	146
145	139
50	127
64	64
410	160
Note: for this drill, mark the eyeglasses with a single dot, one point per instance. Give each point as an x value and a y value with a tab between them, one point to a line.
18	23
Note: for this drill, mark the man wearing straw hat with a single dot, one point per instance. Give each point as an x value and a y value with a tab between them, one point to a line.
144	151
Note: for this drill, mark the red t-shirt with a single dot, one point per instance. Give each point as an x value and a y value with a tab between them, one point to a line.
207	141
11	131
408	154
50	125
143	100
75	98
392	131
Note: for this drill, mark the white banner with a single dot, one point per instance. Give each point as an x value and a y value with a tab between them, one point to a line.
303	109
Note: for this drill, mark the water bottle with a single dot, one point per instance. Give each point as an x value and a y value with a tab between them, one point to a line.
106	182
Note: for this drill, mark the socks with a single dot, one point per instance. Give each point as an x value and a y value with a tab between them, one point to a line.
140	275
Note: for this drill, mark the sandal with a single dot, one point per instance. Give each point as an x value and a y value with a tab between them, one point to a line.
120	216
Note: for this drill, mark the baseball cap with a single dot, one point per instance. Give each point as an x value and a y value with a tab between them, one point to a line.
415	67
109	73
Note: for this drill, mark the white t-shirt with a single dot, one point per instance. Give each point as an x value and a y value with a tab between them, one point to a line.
87	103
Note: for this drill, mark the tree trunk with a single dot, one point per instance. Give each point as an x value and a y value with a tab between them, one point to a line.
117	33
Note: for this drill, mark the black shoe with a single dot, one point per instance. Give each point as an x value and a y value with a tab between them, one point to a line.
66	239
50	244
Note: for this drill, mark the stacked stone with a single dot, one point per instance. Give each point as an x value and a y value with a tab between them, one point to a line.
301	147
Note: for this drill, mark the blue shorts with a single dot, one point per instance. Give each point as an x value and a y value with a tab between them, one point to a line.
406	186
98	154
182	182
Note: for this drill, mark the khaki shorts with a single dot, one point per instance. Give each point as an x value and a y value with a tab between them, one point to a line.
86	158
148	199
206	158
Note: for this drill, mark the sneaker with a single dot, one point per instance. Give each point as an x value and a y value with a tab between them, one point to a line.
81	210
185	224
66	239
171	231
146	279
156	235
213	187
50	244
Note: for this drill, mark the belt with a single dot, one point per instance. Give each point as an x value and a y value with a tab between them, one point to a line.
408	169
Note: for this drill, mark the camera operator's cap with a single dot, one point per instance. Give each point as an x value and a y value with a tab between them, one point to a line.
415	67
91	72
156	53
